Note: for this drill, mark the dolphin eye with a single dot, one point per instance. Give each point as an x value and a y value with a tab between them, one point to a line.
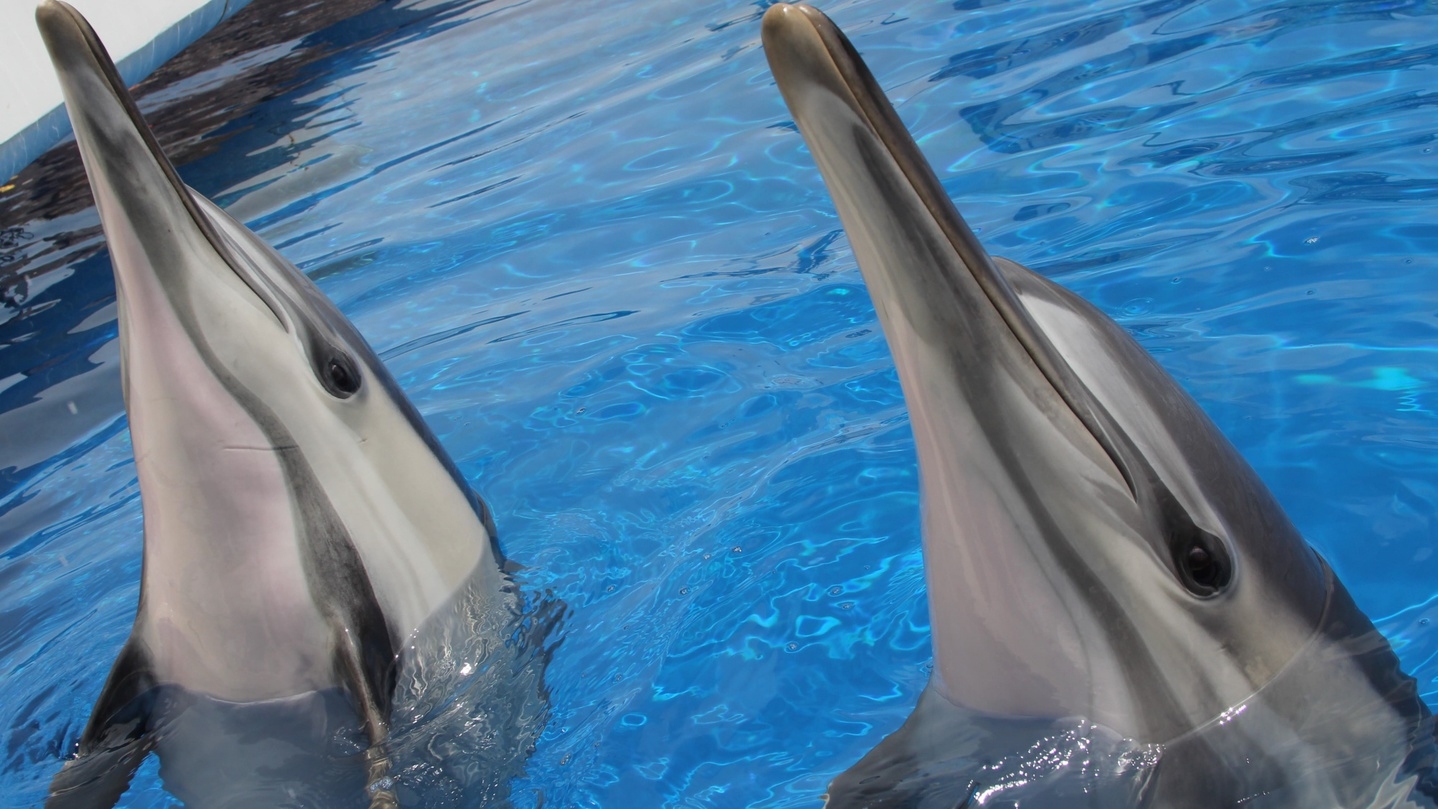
1201	566
340	376
1204	568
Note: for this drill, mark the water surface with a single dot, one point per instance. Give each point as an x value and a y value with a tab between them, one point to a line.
593	250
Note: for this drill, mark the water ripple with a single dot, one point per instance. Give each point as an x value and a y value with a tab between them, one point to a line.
592	249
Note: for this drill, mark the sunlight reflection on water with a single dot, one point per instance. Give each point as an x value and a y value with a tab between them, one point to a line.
593	250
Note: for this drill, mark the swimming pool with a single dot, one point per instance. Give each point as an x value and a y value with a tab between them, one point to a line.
594	252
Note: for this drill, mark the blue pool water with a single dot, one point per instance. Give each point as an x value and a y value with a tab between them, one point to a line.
590	245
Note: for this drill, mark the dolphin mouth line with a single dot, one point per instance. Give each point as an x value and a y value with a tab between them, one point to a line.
1160	508
870	102
279	448
105	66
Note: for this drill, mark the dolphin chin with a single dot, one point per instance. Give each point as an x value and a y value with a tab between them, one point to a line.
1095	549
301	521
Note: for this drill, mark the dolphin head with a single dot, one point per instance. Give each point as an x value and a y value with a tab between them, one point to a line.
1093	545
281	470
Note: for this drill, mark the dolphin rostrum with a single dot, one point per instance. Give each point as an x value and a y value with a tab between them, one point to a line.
1102	565
301	522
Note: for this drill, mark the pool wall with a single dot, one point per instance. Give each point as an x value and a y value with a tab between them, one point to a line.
142	37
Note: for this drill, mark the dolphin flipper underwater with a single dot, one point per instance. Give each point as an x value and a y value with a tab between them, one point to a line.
1109	582
301	521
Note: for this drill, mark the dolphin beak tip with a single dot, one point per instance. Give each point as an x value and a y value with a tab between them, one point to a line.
63	29
52	16
785	21
797	43
775	18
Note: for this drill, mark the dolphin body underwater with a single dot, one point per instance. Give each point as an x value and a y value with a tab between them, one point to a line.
301	521
1110	585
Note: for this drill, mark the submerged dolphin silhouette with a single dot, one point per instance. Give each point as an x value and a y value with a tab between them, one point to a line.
1093	546
301	522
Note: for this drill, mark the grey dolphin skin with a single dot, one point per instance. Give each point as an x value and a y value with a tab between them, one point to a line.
1102	565
301	522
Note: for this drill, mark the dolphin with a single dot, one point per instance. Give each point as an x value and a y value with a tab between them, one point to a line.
301	522
1110	585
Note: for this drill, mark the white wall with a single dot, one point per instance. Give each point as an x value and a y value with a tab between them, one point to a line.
140	35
